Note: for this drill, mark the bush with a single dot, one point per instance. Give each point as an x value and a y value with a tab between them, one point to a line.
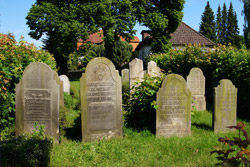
14	57
141	106
27	150
220	63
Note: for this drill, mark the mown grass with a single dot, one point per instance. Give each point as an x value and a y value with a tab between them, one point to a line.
141	148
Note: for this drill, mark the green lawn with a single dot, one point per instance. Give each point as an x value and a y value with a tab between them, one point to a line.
139	148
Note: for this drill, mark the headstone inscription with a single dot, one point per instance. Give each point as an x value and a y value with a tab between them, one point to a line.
101	101
153	69
66	83
136	72
37	100
196	84
173	116
225	106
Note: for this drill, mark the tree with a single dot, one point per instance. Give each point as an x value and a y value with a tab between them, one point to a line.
62	23
218	27
232	26
162	18
207	26
224	23
246	11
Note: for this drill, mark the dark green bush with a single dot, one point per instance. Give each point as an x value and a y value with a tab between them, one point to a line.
141	105
14	57
220	63
27	150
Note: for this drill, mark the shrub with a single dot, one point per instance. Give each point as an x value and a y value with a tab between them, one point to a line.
225	154
220	63
14	57
27	150
141	106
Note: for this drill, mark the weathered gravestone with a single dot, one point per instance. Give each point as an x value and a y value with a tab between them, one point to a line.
66	83
60	83
136	72
101	101
153	69
125	77
173	116
225	106
37	100
196	84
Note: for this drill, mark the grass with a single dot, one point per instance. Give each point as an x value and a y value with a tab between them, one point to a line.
139	148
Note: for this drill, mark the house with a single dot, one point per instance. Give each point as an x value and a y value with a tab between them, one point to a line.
183	36
97	38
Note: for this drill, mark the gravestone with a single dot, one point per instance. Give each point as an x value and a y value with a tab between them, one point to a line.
101	101
225	106
37	100
136	72
125	80
60	83
66	83
196	84
173	116
153	69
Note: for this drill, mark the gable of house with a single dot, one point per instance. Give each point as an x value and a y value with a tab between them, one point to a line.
183	36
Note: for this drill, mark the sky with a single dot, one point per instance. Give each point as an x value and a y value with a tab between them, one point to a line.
13	13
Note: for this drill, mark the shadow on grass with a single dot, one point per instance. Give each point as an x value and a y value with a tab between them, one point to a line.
203	126
74	133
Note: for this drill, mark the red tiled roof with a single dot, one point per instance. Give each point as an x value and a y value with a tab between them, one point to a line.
97	38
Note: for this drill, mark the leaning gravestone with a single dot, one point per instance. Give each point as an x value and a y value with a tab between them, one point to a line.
196	84
66	83
173	116
136	72
37	100
101	101
153	69
225	106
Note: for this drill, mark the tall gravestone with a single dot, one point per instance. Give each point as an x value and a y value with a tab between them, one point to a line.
66	83
136	72
225	106
60	83
153	69
173	116
101	101
37	100
196	84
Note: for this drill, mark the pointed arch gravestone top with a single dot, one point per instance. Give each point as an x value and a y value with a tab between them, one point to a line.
37	100
196	84
173	116
225	106
101	101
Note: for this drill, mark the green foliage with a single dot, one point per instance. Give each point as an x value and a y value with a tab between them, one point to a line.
246	9
218	26
227	154
63	24
14	57
141	106
220	63
27	150
207	25
162	18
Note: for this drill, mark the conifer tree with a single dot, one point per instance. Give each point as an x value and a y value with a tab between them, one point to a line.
218	27
246	11
207	25
224	25
232	27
